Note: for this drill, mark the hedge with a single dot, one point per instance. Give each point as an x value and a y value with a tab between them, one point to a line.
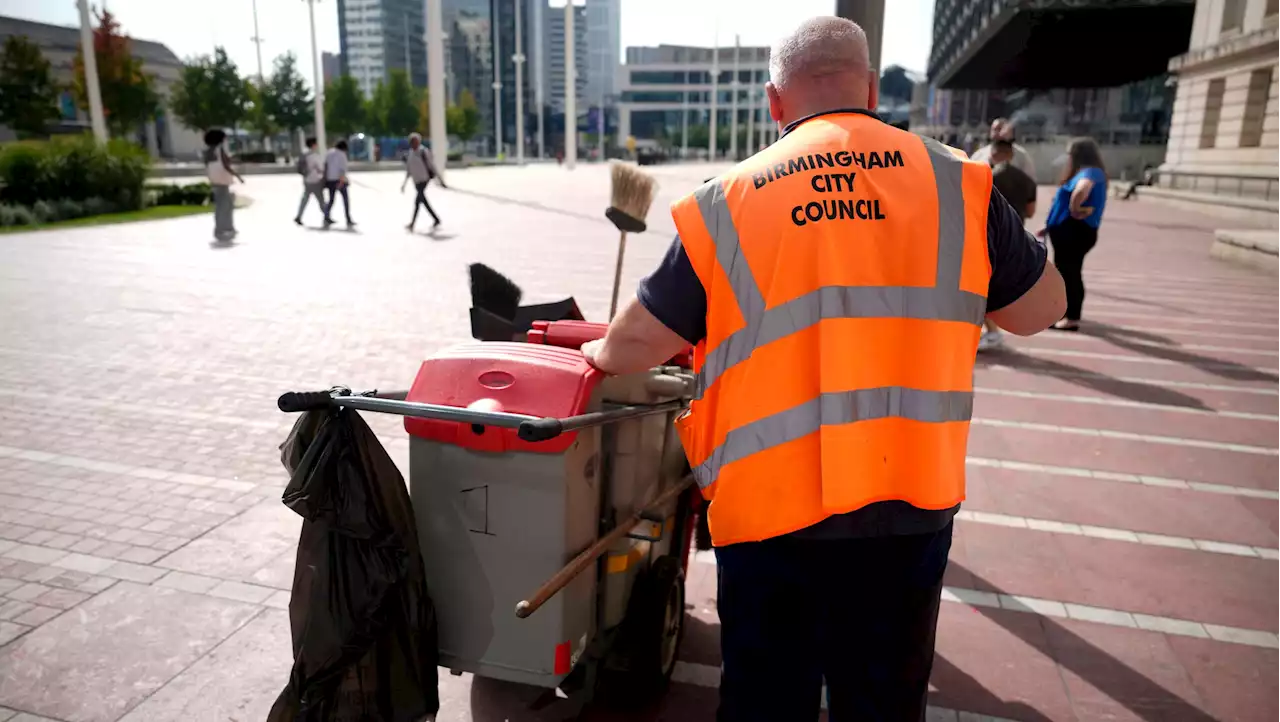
73	168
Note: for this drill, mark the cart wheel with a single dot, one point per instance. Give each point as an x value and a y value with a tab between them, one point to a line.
651	636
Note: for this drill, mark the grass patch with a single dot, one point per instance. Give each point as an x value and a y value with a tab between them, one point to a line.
154	213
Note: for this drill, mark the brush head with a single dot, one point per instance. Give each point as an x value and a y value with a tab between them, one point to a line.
494	292
633	192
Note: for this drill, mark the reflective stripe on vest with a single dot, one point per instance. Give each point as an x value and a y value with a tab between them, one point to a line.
944	301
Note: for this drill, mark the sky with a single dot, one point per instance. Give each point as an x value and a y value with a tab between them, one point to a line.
189	29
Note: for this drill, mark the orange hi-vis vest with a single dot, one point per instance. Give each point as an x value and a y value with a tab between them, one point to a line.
846	274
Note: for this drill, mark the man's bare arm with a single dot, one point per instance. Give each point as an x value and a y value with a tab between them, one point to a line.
636	341
1037	309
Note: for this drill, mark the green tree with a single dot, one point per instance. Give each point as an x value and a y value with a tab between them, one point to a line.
424	111
258	115
128	94
286	97
210	93
400	115
375	111
28	95
463	119
344	110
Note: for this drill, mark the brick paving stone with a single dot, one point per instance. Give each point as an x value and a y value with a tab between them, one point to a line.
61	598
94	665
10	631
11	609
28	592
37	615
241	592
84	563
130	572
187	582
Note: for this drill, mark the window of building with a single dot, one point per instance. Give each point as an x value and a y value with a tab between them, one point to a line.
631	96
1255	107
1212	113
1232	15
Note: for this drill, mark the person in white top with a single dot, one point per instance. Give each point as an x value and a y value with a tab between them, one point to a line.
217	166
1002	129
335	180
311	167
420	166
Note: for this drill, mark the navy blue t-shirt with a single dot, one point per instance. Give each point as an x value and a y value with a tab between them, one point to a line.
674	295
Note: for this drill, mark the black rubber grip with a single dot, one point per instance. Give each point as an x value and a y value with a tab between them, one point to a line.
295	401
540	429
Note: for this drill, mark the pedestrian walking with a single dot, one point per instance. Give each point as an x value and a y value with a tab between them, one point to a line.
834	323
311	167
420	166
1004	129
335	181
217	166
1148	179
1073	221
1019	189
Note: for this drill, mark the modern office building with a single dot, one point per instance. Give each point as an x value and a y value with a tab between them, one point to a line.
604	50
330	66
479	34
665	95
553	47
377	36
1224	116
164	137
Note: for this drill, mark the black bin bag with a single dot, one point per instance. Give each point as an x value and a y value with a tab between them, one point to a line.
364	629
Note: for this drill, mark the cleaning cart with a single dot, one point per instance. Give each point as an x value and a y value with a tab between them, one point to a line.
554	506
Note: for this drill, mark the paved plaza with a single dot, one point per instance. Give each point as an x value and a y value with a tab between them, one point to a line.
1115	560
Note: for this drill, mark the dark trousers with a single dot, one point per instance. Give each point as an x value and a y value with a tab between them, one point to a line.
421	200
334	188
1071	240
860	613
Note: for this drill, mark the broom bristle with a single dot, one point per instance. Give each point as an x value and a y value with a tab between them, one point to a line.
493	291
633	189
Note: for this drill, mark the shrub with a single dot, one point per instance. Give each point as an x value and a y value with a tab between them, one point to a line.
257	156
97	206
45	212
74	168
16	216
193	194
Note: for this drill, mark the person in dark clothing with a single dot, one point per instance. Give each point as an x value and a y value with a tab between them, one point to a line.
335	181
1019	189
1073	221
1148	178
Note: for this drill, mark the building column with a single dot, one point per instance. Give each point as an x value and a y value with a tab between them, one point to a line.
869	14
153	144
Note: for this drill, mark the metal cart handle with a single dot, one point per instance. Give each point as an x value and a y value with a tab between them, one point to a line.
528	428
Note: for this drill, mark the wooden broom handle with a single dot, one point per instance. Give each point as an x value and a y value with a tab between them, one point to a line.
561	579
617	275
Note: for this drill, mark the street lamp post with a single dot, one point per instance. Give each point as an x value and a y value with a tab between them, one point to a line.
751	115
538	98
435	82
570	90
684	118
319	77
733	124
518	58
497	89
257	42
96	117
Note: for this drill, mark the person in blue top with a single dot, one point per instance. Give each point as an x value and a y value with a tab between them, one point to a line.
1073	221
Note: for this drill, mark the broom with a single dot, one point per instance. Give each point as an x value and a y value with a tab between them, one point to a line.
493	292
633	191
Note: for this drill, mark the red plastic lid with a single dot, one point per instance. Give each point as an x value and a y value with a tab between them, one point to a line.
518	378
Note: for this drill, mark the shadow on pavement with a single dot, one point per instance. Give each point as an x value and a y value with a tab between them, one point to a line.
1167	349
957	690
534	205
1131	390
1143	697
1139	301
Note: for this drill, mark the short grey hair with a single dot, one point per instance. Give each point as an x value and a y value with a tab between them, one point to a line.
415	135
824	45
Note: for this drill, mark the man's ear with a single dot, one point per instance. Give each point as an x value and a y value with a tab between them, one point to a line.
873	90
775	101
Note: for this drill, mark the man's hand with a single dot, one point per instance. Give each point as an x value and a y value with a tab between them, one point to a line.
591	351
403	183
1082	212
636	341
